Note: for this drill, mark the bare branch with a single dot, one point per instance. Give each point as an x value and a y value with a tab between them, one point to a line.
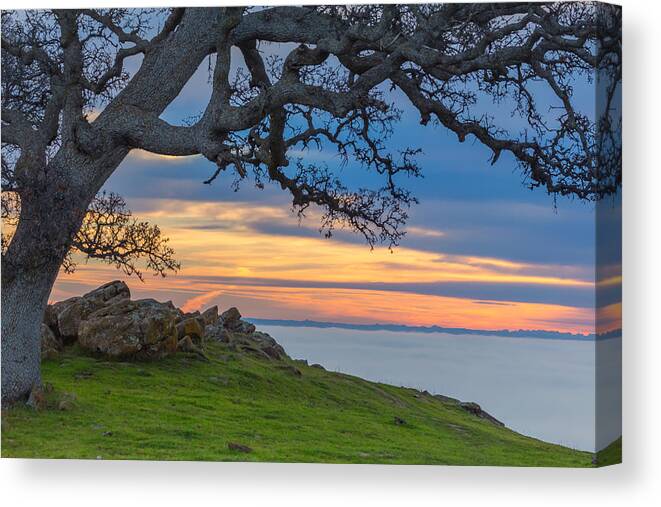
332	90
109	233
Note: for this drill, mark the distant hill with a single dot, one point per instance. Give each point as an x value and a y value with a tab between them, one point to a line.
520	333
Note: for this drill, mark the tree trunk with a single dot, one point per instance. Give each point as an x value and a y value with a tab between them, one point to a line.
47	225
24	300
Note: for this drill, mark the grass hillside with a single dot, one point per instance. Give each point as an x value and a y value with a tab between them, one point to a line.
185	408
611	455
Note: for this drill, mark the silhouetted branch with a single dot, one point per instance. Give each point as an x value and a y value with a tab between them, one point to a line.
332	90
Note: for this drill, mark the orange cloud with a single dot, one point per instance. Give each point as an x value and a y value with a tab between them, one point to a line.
340	304
229	240
202	301
230	246
373	306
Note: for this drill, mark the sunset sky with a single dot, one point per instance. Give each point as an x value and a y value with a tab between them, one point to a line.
481	251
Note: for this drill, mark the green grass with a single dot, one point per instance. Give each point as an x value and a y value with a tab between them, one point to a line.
183	408
611	455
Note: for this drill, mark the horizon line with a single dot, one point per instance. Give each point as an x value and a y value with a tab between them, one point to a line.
512	333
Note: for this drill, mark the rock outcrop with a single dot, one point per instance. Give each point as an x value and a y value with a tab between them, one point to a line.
242	336
210	315
143	329
475	409
50	344
193	327
267	344
65	317
231	320
107	322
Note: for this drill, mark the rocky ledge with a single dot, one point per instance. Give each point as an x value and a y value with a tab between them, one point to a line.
108	323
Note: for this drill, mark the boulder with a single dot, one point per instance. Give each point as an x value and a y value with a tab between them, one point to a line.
50	318
181	315
290	369
234	446
109	291
263	338
50	344
268	345
71	312
52	312
193	327
257	343
231	317
244	327
143	329
186	344
473	408
272	352
232	320
210	315
216	332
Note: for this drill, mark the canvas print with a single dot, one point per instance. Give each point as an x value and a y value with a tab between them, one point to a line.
333	234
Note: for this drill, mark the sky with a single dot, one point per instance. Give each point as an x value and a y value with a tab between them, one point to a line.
481	251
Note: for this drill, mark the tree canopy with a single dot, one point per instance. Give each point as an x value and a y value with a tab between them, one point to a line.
333	86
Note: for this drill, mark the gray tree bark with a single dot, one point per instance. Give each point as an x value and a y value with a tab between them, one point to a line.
24	300
26	284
